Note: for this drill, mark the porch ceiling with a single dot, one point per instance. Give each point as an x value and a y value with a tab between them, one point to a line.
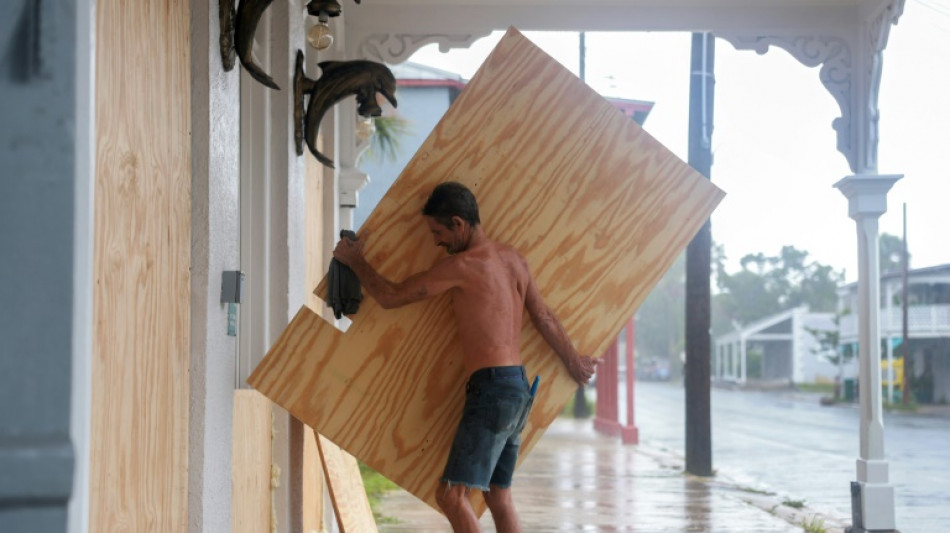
844	37
450	16
637	3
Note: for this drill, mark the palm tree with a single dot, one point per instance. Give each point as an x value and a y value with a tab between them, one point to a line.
384	143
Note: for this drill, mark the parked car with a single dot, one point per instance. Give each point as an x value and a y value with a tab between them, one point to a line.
653	370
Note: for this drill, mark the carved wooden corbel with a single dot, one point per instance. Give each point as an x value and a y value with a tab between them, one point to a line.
249	14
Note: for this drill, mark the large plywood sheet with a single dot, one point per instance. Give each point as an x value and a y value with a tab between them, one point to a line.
598	207
353	513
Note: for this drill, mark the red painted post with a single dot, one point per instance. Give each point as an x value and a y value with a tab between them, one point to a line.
606	420
629	433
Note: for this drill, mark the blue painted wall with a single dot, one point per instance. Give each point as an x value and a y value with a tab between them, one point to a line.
422	107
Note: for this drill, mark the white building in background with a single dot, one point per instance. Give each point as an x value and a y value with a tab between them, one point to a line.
928	321
424	94
782	348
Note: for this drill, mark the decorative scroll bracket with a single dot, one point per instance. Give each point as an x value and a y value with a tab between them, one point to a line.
396	48
850	71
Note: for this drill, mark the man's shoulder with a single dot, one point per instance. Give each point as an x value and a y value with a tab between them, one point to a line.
492	253
508	250
514	262
517	257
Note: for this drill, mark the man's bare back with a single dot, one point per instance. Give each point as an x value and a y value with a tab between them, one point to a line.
489	303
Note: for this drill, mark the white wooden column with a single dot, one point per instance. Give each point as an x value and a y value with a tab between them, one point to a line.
734	356
719	353
867	201
798	333
731	370
350	145
740	357
743	359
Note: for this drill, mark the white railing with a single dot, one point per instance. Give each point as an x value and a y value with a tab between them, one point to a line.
922	321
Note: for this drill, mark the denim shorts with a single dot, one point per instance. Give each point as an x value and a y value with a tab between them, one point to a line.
485	448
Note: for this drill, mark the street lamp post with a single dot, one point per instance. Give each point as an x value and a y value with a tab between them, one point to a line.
872	496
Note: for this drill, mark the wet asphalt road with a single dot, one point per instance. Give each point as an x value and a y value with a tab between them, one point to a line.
787	443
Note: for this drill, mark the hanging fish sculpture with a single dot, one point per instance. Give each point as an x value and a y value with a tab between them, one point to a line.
248	15
339	79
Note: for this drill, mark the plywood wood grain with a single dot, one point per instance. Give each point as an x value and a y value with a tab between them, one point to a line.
598	207
353	513
141	345
251	445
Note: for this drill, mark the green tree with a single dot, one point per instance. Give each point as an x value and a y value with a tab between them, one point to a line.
829	349
387	132
661	322
766	285
890	248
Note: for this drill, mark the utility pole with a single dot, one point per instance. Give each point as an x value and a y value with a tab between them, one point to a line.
905	353
580	398
698	343
582	37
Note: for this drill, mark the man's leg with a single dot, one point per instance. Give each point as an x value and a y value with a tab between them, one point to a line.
502	508
454	503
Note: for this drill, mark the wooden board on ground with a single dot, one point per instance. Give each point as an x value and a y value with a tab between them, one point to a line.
598	207
312	489
251	448
353	513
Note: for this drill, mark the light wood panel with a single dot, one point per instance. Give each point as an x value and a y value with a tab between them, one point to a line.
316	265
312	483
598	207
251	445
140	382
353	513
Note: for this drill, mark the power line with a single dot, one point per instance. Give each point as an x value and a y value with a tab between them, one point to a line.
942	9
936	6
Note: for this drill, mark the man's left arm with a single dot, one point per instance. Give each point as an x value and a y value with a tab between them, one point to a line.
581	367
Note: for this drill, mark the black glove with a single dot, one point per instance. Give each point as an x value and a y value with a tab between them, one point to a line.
344	292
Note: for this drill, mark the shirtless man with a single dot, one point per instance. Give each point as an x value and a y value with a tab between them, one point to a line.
491	286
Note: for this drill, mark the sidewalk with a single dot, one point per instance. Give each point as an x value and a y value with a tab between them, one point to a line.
578	480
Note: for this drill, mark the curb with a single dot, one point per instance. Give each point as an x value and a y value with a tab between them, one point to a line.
769	502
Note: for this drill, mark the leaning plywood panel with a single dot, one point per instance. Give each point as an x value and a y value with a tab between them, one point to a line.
345	484
598	207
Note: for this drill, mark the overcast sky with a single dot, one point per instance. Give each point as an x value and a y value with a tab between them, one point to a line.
773	143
